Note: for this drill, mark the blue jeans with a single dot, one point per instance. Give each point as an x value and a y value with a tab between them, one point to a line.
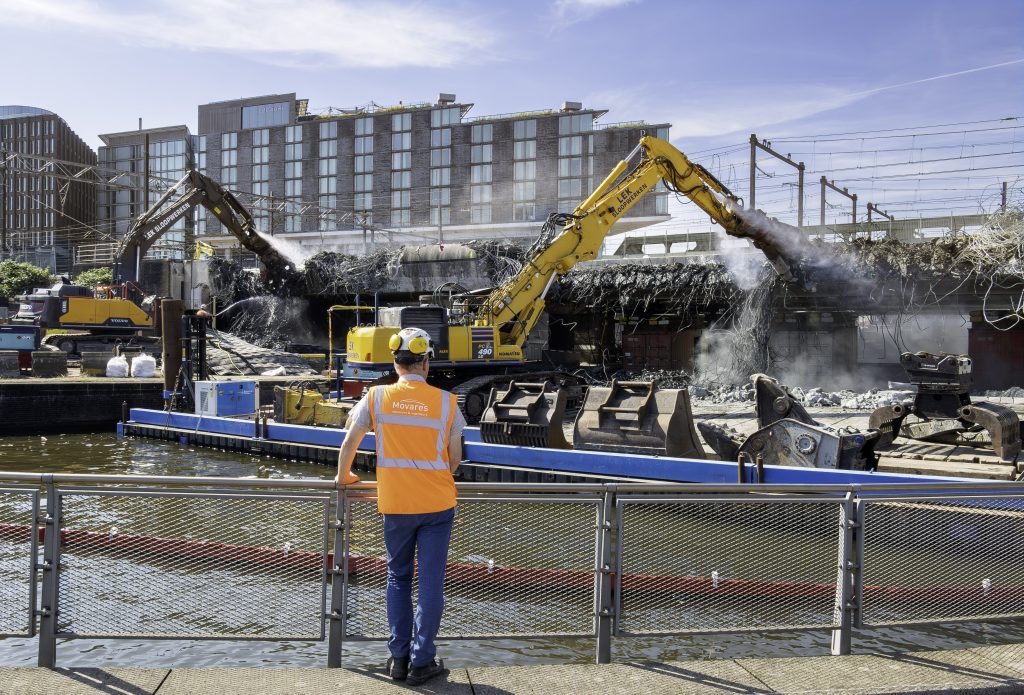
403	534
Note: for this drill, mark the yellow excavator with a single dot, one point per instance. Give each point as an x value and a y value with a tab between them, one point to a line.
478	340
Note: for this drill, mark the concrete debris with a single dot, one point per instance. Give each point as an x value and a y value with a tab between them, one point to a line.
229	355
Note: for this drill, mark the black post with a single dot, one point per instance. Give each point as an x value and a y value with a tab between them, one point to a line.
3	207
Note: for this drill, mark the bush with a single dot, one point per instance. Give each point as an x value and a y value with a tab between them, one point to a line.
18	278
95	276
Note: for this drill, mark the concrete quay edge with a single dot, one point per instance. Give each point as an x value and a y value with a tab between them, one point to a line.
995	669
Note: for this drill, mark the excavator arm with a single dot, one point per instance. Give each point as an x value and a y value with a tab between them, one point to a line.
196	189
516	306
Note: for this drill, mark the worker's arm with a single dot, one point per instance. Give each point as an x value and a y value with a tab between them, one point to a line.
455	440
347	455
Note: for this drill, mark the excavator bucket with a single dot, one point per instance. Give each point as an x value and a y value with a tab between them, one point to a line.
635	417
525	414
295	406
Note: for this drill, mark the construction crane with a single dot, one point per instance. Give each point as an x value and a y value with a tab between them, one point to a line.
478	340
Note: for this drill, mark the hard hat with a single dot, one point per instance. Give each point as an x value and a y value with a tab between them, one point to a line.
414	341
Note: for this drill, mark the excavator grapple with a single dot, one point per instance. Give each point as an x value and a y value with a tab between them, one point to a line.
525	414
635	417
944	410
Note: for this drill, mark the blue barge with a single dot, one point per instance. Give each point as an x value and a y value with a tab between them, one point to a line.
486	462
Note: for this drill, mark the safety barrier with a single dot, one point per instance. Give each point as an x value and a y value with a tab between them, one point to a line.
144	557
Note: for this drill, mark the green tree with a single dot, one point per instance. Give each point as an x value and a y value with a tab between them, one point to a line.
18	278
95	276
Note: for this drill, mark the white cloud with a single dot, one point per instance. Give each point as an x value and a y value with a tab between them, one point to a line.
302	32
572	11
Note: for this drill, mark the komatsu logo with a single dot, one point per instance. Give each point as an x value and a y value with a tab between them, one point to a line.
411	407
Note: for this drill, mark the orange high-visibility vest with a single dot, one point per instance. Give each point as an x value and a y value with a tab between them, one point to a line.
412	422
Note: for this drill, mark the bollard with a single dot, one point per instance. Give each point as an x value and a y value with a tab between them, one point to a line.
759	468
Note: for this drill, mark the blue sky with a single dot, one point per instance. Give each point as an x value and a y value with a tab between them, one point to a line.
716	71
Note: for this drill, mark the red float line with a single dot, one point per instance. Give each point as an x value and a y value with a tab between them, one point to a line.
366	566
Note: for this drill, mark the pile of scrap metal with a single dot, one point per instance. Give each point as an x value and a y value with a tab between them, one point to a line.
633	417
942	412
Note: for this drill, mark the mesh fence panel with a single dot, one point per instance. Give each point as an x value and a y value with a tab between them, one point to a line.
727	566
192	565
16	561
927	561
515	567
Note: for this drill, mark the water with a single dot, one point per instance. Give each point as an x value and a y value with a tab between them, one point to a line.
103	453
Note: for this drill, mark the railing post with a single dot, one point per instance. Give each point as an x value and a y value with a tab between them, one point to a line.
48	608
604	609
339	582
846	577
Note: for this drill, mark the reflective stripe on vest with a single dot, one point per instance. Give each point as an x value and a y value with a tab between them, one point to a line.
381	418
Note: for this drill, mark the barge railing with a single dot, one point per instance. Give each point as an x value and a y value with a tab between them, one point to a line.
160	557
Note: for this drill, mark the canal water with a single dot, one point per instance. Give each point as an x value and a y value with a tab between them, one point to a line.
104	454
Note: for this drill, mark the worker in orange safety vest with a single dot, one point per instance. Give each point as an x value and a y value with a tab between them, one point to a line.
418	432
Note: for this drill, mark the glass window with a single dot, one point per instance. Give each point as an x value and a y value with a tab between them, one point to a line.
260	188
526	149
441	158
483	133
364	145
480	153
260	137
401	160
446	116
570	146
401	218
328	130
329	148
480	194
229	176
228	141
363	164
440	177
260	155
440	196
363	201
401	179
480	214
440	215
293	170
292	188
480	173
400	199
570	166
328	167
401	141
525	129
328	184
364	182
229	158
401	121
442	137
661	133
364	126
260	172
577	123
525	170
293	151
265	115
524	212
293	133
524	190
570	188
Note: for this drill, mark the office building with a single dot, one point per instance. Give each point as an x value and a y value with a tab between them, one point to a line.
409	174
42	218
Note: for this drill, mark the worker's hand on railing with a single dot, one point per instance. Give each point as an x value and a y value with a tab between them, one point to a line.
350	479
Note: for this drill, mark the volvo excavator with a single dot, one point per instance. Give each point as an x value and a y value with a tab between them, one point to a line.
478	340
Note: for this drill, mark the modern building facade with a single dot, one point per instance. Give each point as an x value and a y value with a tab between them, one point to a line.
409	174
170	156
42	218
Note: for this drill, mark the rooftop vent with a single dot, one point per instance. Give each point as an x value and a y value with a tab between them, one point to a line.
571	105
445	98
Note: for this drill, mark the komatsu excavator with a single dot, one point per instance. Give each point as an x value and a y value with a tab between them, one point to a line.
478	340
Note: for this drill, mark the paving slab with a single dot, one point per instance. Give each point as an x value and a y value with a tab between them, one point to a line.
77	681
923	672
302	681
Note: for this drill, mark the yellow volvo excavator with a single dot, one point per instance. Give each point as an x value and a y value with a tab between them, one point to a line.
479	339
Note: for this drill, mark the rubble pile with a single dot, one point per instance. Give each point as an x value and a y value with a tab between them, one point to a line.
231	282
339	274
501	260
229	355
674	287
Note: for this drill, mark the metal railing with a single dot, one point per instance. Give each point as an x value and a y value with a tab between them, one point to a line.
145	557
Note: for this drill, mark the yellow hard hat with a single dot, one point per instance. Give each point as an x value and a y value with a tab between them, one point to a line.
412	340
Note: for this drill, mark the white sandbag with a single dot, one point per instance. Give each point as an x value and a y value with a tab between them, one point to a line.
117	366
143	365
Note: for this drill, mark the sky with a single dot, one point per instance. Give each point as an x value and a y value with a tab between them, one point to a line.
717	71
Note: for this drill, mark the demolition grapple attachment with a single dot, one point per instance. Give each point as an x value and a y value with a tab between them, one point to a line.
525	414
636	417
773	402
944	409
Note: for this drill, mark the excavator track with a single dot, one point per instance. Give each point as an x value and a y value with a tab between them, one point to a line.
472	394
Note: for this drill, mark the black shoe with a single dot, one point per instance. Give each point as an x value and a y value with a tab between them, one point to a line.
422	674
397	668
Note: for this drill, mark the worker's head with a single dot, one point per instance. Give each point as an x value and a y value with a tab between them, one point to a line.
412	349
